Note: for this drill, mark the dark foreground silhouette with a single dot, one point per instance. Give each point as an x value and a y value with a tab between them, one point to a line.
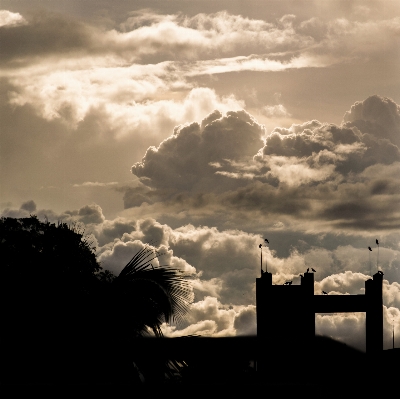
64	320
224	362
66	323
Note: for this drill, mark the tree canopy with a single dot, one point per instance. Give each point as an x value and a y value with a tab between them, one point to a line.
65	316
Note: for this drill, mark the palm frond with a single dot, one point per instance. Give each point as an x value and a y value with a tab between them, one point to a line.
152	295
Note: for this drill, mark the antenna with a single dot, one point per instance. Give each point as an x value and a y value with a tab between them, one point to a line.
370	268
377	261
266	242
262	271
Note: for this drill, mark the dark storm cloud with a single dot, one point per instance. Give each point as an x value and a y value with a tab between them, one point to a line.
314	172
187	160
266	199
379	116
364	214
88	214
385	186
348	150
135	196
44	34
29	206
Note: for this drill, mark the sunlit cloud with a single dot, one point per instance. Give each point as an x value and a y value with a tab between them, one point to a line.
8	18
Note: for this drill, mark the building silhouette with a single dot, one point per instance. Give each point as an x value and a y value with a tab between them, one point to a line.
286	315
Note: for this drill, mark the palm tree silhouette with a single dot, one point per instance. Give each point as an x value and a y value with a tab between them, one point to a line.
140	299
148	296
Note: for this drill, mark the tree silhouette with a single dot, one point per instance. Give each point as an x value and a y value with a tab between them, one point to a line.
150	295
144	297
65	318
48	290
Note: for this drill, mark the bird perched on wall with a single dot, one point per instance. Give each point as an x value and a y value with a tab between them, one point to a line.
370	248
260	246
308	269
377	242
325	293
313	270
380	272
288	283
266	241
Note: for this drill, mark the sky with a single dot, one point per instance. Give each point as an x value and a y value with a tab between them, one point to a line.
204	127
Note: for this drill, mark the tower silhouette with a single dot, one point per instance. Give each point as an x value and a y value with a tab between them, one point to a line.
286	315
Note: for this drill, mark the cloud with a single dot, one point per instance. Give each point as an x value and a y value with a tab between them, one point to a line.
391	294
184	161
345	283
8	18
201	328
327	144
29	206
210	318
313	171
40	34
88	214
153	55
378	116
115	255
95	184
350	327
345	327
275	110
210	287
245	321
110	230
148	36
259	63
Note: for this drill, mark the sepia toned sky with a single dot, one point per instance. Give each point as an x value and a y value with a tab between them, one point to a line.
205	127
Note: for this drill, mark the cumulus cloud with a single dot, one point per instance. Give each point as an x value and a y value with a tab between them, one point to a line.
185	160
210	318
391	294
110	230
327	144
350	327
225	262
313	171
378	116
8	18
345	327
245	321
117	254
88	214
